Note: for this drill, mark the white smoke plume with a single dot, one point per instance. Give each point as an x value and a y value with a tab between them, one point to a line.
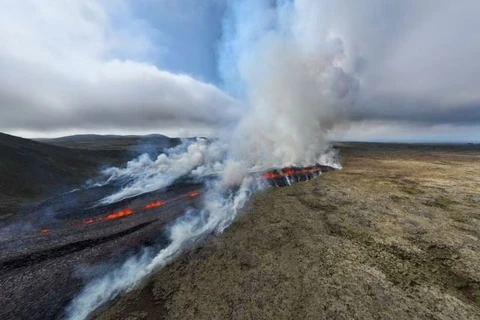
295	80
295	84
194	158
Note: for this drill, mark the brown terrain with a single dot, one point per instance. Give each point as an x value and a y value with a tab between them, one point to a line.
394	235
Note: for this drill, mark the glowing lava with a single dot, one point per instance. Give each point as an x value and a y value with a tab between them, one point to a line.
270	175
126	212
291	171
120	214
193	195
285	177
89	221
155	204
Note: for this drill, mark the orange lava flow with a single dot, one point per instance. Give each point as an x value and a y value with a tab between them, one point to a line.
120	214
92	220
288	172
193	195
88	221
155	204
271	175
115	215
123	213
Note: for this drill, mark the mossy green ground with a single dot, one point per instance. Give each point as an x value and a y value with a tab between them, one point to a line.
394	235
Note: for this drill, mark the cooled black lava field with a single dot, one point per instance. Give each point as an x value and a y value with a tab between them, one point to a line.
46	253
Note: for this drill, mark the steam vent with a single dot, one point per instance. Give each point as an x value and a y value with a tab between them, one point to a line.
286	176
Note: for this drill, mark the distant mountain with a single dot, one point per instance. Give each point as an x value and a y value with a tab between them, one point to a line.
93	137
30	170
153	144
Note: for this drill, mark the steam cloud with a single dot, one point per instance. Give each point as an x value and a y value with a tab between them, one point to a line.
295	81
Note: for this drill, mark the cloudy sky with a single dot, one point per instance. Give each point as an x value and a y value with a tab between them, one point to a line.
175	66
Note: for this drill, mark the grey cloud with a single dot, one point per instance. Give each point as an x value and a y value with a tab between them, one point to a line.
60	74
415	61
126	96
405	60
415	110
401	60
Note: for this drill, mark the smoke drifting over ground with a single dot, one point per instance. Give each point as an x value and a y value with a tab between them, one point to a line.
221	205
194	159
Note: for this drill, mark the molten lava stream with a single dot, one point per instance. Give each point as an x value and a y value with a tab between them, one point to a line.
271	175
123	213
91	220
287	172
155	204
193	195
120	214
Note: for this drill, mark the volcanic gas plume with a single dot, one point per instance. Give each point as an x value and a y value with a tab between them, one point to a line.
295	89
